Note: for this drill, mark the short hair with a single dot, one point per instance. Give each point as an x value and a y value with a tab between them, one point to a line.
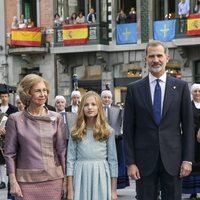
26	85
60	97
155	44
75	93
106	93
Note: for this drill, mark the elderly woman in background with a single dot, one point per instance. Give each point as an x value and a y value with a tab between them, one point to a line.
19	103
35	147
191	183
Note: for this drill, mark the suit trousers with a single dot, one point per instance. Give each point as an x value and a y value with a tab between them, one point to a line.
147	187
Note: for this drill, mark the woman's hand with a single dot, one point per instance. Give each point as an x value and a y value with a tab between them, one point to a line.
15	189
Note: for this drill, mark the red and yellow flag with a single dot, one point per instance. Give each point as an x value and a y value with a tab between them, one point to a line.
193	24
26	36
75	34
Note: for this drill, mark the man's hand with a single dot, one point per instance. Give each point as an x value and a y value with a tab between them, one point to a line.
186	169
133	172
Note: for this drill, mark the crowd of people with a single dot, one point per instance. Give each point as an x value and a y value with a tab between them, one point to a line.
122	18
95	147
22	22
75	18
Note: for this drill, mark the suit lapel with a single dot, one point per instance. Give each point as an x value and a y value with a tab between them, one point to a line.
169	94
146	95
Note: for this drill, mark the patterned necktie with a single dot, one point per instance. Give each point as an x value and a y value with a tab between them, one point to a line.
157	101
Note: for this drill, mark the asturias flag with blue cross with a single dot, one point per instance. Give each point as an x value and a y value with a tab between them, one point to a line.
164	30
127	33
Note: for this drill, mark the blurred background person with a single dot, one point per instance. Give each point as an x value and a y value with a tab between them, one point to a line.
22	22
57	21
72	19
121	17
80	18
35	146
191	183
30	23
19	103
114	115
132	18
15	23
75	100
183	12
91	17
7	108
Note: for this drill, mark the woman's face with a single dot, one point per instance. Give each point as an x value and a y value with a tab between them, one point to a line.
60	105
90	107
38	94
196	95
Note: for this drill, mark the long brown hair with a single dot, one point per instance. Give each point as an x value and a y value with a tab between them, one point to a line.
101	128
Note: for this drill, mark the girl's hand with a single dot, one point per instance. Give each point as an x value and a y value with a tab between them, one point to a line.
15	189
114	195
70	194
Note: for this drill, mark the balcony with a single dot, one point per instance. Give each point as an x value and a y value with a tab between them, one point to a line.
97	34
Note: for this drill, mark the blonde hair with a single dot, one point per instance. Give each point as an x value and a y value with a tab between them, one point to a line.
26	85
101	127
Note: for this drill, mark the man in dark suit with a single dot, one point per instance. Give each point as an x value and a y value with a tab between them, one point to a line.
7	108
159	144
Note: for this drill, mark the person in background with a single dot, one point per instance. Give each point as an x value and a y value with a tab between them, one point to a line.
57	21
30	23
15	23
157	128
80	18
7	108
132	18
91	158
197	7
91	17
22	22
72	19
191	183
35	145
114	115
19	103
183	12
121	17
75	100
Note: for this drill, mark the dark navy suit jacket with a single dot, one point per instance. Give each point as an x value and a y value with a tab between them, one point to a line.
172	139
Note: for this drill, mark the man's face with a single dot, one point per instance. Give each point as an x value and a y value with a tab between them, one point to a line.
106	100
156	59
75	100
4	99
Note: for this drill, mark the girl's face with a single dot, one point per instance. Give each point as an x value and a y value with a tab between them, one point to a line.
90	108
38	94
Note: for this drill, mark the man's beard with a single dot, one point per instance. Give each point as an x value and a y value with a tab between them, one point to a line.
157	69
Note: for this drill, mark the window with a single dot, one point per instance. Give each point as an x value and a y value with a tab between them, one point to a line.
164	9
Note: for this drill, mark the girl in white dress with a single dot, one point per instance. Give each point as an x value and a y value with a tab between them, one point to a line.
92	167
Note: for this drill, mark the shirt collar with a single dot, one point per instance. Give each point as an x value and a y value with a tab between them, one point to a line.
153	78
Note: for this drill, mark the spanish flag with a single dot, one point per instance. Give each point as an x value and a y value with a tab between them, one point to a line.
193	24
26	37
75	34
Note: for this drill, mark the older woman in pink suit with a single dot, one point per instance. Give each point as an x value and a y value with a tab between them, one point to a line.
35	147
